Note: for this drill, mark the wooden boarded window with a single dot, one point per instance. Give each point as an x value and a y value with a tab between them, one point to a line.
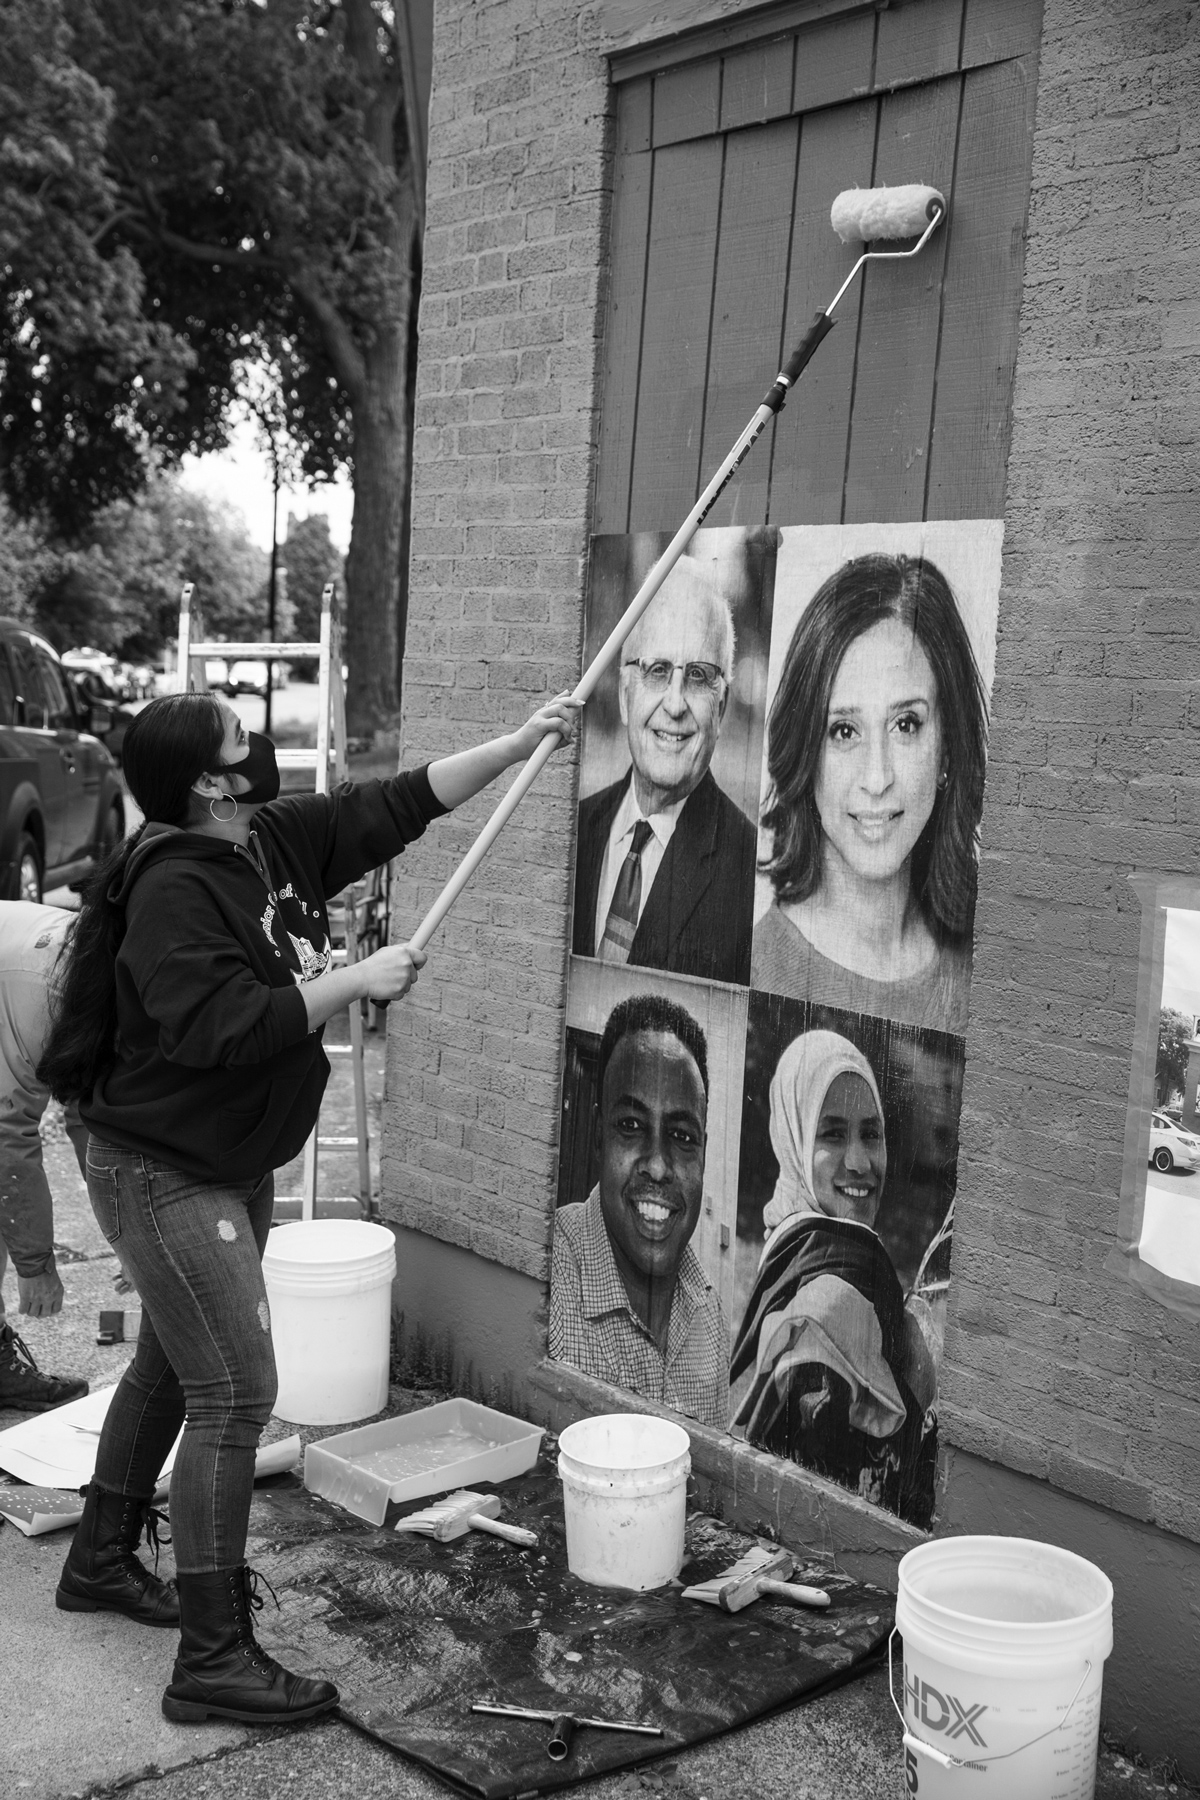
722	251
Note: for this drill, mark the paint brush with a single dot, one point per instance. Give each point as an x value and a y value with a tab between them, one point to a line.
464	1511
757	1573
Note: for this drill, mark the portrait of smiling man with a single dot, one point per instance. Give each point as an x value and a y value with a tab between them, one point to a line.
665	869
629	1301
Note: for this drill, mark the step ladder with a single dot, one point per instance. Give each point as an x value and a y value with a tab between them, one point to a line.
358	914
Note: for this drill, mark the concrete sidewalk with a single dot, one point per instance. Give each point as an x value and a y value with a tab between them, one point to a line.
79	1694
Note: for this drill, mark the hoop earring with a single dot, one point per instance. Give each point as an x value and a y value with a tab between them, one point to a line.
229	817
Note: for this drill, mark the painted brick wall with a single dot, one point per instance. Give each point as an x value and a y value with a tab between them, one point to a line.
1054	1366
519	173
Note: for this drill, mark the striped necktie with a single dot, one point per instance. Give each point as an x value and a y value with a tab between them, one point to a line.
622	921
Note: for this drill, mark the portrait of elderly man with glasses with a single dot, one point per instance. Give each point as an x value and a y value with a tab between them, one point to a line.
665	868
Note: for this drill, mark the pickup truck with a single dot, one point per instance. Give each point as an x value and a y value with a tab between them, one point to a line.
62	804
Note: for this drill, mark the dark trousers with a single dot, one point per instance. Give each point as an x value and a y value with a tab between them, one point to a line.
194	1251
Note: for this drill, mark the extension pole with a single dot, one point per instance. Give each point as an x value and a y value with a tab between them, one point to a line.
772	403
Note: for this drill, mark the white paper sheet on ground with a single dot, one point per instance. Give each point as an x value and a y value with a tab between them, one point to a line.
58	1448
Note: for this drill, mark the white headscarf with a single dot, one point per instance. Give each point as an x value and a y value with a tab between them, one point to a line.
802	1078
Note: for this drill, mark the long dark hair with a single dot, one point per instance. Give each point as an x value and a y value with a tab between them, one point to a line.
862	593
167	747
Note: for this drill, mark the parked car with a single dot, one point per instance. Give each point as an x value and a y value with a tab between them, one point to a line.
97	701
249	676
87	660
1171	1146
61	801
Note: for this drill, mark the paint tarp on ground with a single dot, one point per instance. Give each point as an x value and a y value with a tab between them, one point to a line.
414	1631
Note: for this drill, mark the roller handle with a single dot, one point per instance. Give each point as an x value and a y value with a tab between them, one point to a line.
793	1591
515	1534
558	1744
798	361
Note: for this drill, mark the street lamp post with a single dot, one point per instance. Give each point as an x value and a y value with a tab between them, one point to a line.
271	584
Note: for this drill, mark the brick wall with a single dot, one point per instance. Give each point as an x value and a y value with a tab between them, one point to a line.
511	310
1055	1366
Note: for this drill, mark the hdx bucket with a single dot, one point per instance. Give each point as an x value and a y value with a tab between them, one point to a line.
1005	1642
624	1479
329	1284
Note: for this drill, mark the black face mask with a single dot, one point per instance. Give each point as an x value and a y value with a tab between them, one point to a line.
260	769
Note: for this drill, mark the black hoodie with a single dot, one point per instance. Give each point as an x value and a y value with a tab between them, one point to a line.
217	1073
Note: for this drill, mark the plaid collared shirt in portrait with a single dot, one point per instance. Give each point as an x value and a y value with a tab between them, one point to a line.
594	1328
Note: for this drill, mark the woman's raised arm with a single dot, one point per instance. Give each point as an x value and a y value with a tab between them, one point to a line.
455	778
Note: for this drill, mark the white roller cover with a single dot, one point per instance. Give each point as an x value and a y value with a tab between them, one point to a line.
866	214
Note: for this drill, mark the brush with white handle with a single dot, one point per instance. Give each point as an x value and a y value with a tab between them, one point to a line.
753	1575
459	1513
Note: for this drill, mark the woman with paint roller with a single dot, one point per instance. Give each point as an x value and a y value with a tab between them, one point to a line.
842	1379
188	1024
876	744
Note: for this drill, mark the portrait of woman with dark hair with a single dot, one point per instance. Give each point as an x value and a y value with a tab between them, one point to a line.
876	745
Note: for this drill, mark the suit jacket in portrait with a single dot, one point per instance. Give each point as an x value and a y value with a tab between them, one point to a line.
698	917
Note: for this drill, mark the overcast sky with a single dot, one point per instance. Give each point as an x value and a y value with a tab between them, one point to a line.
1181	961
240	476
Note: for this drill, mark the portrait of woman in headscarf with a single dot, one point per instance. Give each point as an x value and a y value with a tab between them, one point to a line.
842	1376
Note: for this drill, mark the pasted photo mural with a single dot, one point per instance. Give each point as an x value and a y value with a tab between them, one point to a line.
775	884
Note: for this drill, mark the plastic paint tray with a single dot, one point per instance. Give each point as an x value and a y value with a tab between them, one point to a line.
456	1444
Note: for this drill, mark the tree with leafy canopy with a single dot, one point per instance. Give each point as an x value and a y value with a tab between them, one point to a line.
311	558
1170	1065
255	179
85	371
116	585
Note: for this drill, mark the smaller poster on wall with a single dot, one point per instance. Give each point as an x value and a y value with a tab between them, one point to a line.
1160	1193
672	744
849	1148
882	656
643	1268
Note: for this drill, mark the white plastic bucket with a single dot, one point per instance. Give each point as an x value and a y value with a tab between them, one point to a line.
624	1479
1004	1648
329	1284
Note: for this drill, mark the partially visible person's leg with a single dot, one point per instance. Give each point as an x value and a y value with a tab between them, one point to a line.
27	1231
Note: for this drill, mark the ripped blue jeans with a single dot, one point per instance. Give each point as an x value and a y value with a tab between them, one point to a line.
194	1251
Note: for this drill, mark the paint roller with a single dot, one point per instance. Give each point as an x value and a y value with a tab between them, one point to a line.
862	215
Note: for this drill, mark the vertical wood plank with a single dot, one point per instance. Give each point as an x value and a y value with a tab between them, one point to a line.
622	340
898	327
981	294
833	62
687	102
918	41
751	285
756	84
674	353
996	29
633	116
809	461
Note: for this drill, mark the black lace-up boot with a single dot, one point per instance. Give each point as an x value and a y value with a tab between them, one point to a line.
221	1671
22	1384
102	1573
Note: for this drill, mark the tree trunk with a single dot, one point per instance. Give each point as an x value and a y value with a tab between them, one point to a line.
380	410
381	434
